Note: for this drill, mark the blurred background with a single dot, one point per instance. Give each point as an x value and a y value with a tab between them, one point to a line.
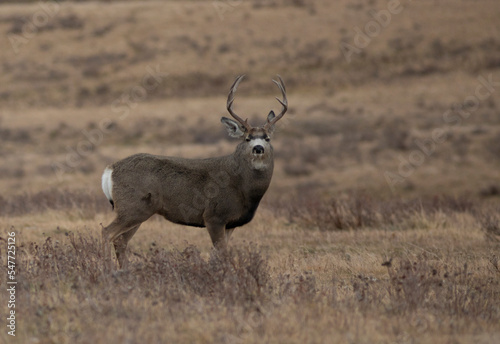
388	98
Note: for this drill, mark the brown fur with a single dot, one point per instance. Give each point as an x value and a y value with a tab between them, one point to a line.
217	193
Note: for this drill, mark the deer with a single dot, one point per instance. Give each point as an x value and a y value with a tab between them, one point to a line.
219	193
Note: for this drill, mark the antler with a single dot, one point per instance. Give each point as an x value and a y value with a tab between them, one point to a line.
284	102
230	100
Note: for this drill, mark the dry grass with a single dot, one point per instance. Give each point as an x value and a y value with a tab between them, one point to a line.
23	204
334	254
428	273
359	210
427	284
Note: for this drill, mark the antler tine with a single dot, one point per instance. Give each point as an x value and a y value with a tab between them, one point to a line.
230	100
284	102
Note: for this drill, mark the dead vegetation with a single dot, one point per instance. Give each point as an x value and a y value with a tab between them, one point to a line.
334	254
164	293
52	199
309	59
358	210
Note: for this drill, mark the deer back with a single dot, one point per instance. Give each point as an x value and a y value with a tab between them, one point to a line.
190	191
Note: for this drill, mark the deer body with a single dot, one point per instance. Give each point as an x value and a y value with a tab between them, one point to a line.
185	191
217	193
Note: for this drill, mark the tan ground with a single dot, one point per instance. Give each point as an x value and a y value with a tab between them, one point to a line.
72	100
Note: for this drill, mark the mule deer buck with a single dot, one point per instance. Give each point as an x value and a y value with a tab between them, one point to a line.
217	193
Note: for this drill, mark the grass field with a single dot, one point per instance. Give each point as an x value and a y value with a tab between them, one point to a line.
382	221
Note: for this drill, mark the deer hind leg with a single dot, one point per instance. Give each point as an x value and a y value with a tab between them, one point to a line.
114	230
228	234
120	245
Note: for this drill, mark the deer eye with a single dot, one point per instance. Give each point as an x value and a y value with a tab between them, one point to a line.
267	138
247	139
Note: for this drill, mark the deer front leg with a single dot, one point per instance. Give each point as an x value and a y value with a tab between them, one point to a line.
217	234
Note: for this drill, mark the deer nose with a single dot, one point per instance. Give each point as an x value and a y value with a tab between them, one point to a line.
258	149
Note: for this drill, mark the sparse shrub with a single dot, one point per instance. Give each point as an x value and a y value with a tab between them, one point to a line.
411	284
461	145
70	22
82	256
299	3
421	285
333	214
86	203
102	31
317	128
493	146
86	167
91	72
437	48
490	223
490	191
235	276
224	48
12	172
238	276
367	292
300	158
396	135
359	210
102	89
96	60
19	24
302	287
16	135
200	134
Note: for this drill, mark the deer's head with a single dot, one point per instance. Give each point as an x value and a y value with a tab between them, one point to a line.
255	140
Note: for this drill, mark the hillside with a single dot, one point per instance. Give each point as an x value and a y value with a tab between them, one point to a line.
381	224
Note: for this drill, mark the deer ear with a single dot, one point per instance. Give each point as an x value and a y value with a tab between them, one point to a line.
233	128
270	117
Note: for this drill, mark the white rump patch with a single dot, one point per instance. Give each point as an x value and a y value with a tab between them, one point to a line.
107	183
